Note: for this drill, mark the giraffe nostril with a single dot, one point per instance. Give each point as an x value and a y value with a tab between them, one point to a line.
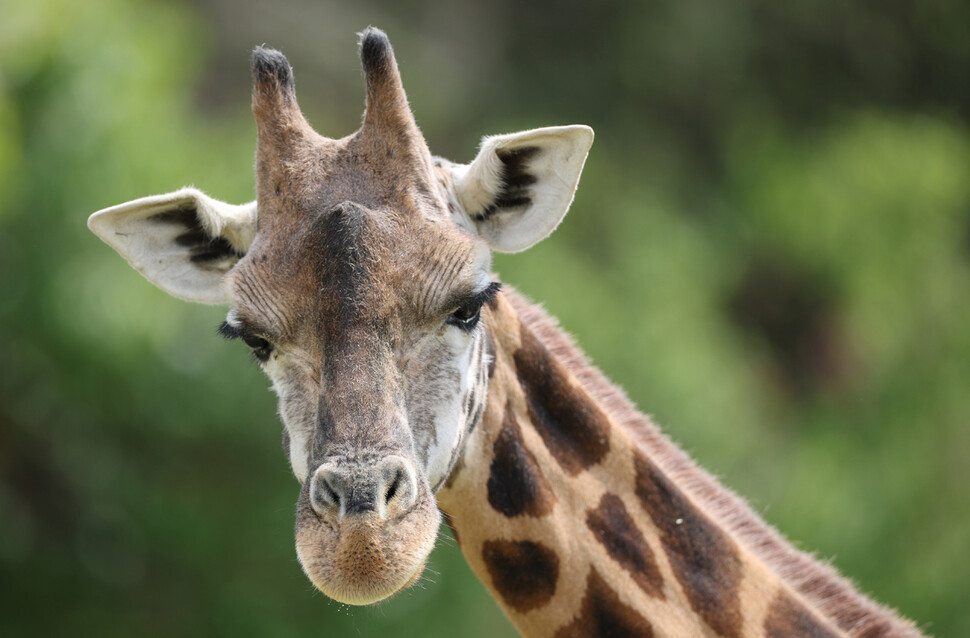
329	493
400	486
392	488
388	488
325	492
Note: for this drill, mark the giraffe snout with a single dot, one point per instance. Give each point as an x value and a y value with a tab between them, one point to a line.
387	488
365	527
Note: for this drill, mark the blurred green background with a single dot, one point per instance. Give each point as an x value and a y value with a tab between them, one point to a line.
770	250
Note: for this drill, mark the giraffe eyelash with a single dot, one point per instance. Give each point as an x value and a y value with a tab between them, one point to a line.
488	295
228	331
467	315
260	347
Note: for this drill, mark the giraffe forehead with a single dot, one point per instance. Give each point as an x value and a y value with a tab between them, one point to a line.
394	263
315	173
350	263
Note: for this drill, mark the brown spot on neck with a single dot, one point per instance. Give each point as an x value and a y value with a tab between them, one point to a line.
604	615
524	573
516	485
618	533
704	559
572	426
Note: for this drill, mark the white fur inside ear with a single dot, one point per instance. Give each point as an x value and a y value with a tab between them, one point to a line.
521	185
184	242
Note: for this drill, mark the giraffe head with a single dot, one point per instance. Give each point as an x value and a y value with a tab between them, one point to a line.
358	278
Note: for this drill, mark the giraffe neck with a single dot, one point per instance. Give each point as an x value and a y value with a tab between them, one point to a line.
582	519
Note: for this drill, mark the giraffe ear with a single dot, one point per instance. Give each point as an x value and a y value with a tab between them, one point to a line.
520	186
183	242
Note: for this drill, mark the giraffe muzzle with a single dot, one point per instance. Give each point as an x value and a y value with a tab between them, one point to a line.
365	529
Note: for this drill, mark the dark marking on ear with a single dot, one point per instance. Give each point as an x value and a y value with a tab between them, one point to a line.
374	49
618	533
524	573
703	558
186	215
572	426
603	615
202	248
787	617
192	238
514	191
209	250
271	65
516	485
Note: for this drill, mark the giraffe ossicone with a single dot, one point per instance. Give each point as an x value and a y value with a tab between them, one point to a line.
410	384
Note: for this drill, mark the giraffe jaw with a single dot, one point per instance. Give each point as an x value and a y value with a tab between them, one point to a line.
364	559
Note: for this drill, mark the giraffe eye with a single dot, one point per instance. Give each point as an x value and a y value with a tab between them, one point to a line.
468	314
261	347
466	317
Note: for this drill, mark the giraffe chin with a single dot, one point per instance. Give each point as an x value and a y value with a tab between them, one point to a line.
364	559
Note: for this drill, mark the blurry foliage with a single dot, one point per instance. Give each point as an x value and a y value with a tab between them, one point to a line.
770	251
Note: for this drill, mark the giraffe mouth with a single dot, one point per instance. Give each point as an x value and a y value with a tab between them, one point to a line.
362	559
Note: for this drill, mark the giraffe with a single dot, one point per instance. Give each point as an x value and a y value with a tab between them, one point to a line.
411	382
